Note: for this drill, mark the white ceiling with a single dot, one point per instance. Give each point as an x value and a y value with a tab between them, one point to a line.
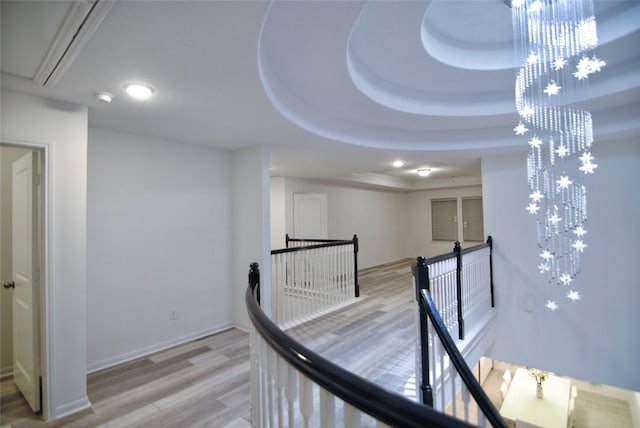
338	89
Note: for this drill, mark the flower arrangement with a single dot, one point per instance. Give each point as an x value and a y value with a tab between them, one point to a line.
539	375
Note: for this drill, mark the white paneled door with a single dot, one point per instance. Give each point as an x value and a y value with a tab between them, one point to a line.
310	216
26	340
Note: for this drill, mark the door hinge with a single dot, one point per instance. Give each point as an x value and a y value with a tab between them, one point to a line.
36	179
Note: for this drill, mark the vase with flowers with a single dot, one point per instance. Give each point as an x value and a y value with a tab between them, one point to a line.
540	376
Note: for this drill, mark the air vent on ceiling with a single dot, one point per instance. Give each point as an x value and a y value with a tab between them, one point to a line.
81	22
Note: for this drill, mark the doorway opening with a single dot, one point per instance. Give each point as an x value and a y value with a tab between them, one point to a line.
22	238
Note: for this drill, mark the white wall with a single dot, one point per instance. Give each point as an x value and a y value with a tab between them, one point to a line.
595	338
418	229
250	227
158	240
62	128
278	209
8	155
377	217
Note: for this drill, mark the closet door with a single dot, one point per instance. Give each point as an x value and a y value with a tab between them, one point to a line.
310	216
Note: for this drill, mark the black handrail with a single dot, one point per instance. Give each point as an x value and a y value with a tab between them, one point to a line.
288	239
383	405
311	247
427	308
481	398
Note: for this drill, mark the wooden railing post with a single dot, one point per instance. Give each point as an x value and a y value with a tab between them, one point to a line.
458	250
490	244
355	265
421	278
254	279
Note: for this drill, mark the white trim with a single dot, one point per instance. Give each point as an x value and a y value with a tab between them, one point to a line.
72	407
6	372
82	21
46	294
143	352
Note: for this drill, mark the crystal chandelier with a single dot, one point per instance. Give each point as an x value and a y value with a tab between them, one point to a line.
555	39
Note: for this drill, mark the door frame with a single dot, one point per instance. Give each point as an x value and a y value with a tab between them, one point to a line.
46	294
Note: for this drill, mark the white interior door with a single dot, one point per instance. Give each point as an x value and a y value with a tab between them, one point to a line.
310	217
26	340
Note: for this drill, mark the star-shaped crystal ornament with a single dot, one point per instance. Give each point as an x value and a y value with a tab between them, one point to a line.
533	58
535	142
580	232
579	245
581	74
562	151
551	305
533	208
552	89
536	196
546	255
596	64
588	168
543	267
554	219
520	129
564	182
565	279
587	66
573	295
559	63
586	158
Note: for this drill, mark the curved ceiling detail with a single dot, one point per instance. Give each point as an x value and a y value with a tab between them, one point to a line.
380	74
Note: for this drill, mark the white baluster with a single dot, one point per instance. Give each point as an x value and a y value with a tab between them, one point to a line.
271	375
291	393
452	380
327	409
306	400
466	399
280	384
351	416
253	376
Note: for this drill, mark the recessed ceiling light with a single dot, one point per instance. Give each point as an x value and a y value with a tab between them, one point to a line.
424	172
105	97
398	163
139	91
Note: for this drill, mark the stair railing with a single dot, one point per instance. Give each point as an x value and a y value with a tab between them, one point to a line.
311	277
293	386
462	282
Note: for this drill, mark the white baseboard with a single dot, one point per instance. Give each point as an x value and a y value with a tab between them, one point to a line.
6	372
72	407
143	352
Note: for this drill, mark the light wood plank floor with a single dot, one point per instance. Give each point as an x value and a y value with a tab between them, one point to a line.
205	383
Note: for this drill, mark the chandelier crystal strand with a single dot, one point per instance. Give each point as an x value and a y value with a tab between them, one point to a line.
555	39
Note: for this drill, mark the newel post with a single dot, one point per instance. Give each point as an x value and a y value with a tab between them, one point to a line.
421	279
457	249
254	280
355	265
490	244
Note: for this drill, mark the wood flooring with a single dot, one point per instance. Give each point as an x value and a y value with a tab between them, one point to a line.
205	383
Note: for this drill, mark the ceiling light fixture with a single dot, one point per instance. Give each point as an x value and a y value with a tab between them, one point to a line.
104	97
424	172
556	40
139	91
398	163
